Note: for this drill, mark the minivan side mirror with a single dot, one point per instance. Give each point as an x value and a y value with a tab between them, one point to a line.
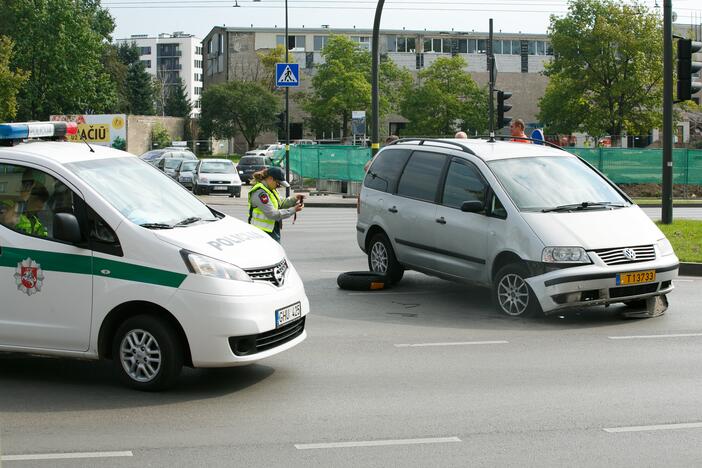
66	228
472	206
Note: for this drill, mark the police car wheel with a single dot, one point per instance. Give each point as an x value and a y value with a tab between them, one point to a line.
512	294
147	353
381	259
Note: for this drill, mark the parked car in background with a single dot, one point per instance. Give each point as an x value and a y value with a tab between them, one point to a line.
170	165
250	164
266	150
304	142
213	176
184	173
155	156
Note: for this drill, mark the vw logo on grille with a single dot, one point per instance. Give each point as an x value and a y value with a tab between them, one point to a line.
629	253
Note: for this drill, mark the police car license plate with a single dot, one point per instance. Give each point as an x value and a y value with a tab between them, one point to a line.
221	187
636	277
287	314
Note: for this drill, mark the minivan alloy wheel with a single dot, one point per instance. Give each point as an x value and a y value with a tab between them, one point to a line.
513	294
379	258
140	355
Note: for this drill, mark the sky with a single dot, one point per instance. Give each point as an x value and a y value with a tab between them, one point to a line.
198	17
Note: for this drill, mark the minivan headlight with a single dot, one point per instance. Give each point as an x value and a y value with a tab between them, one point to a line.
564	255
208	266
665	247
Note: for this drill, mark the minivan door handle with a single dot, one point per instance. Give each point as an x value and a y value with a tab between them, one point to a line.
392	210
441	220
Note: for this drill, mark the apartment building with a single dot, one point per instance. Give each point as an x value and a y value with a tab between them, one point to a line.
172	56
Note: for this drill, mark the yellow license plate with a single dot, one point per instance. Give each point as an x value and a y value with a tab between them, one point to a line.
636	277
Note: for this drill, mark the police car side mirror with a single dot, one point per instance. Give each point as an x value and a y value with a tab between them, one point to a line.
472	206
67	228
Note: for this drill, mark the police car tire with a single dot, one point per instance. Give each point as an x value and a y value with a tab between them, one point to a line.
171	352
362	281
519	273
395	271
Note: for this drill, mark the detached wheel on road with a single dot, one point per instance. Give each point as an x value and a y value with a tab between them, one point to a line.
147	353
361	281
511	293
381	259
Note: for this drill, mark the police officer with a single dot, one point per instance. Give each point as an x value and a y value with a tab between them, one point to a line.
266	209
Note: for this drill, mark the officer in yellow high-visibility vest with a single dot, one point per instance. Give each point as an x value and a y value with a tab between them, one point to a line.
266	209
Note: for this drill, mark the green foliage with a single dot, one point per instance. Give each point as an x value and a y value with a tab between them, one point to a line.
160	137
268	60
342	85
446	98
10	81
177	102
117	70
686	238
606	76
238	106
120	144
138	85
61	43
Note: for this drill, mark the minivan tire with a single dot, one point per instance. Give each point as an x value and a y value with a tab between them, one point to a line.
512	295
142	338
381	259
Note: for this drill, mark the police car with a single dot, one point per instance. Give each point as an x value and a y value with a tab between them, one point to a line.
143	274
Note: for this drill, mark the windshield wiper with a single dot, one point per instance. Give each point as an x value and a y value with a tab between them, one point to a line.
583	206
186	221
156	226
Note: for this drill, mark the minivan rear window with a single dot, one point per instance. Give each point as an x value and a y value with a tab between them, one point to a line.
386	169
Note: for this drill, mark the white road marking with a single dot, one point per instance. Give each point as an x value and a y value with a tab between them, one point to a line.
645	337
683	281
460	343
63	456
658	427
378	443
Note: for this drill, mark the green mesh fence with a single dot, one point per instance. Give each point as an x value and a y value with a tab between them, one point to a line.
621	165
330	162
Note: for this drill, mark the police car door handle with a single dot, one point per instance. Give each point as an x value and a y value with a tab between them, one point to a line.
441	220
392	210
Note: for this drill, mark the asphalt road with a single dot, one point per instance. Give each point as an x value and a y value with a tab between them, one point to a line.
424	374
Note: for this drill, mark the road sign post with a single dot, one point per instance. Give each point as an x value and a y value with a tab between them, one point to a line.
287	75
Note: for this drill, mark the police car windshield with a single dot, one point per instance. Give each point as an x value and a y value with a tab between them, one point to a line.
218	167
550	182
154	200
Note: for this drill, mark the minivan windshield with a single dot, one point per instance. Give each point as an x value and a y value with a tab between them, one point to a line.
554	183
217	167
157	201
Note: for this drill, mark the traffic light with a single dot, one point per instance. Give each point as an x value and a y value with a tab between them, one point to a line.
687	85
502	121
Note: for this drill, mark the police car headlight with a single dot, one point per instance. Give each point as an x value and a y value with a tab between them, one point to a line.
665	247
564	255
207	266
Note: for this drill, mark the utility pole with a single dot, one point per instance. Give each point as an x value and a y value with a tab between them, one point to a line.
491	104
375	65
667	202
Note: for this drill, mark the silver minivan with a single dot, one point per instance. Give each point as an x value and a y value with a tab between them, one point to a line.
539	226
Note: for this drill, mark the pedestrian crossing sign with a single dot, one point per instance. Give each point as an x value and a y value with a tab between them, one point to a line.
287	75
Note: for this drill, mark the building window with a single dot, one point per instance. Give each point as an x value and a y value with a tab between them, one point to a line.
482	46
294	42
362	41
472	44
198	63
405	44
147	63
220	44
144	50
209	47
549	49
198	50
463	46
438	45
198	90
320	42
196	104
197	77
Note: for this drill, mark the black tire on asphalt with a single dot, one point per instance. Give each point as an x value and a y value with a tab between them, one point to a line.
167	342
362	281
393	270
511	294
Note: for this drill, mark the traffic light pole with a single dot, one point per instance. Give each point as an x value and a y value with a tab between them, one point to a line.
375	65
667	202
491	102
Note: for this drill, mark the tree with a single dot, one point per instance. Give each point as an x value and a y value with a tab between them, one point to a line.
61	44
160	137
139	88
446	98
268	60
606	75
342	83
10	81
177	102
112	62
238	106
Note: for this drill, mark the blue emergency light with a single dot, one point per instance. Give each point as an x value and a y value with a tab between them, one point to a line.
26	130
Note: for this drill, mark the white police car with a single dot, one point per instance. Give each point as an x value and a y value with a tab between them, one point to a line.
144	274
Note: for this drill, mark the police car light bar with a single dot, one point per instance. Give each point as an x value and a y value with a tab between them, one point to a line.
25	130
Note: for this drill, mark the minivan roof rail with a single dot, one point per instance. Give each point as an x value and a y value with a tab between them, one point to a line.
506	137
422	141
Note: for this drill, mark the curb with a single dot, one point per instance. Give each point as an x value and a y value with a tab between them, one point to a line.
690	269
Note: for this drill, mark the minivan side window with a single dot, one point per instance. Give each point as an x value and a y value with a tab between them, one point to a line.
30	198
420	178
463	183
386	169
